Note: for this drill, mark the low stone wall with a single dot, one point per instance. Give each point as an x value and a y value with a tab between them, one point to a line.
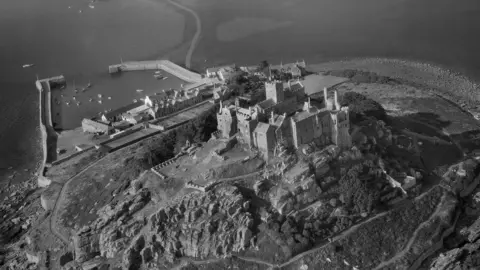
59	161
121	134
201	188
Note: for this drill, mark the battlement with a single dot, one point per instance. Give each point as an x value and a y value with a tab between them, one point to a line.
192	185
164	164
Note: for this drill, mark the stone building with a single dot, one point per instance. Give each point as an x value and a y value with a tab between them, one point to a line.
277	120
227	121
92	126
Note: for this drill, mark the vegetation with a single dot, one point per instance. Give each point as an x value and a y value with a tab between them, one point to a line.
358	76
361	107
379	239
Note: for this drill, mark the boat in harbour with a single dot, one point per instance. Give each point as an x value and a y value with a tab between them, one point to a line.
109	97
28	65
90	100
134	101
164	78
100	95
158	72
100	102
91	6
139	90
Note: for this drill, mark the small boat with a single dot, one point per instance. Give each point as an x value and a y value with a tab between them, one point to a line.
164	78
134	101
100	95
90	100
91	6
69	7
28	65
61	95
88	85
76	91
99	113
68	103
78	103
63	87
105	111
100	102
139	90
158	72
158	77
74	98
109	97
80	11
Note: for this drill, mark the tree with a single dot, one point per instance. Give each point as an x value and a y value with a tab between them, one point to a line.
263	65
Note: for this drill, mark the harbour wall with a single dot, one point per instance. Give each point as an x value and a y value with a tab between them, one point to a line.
164	65
41	181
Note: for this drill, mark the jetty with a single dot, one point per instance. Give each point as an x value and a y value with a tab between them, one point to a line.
49	136
165	65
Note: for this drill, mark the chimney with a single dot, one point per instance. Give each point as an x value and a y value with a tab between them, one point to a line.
290	85
325	95
272	118
221	106
337	104
309	104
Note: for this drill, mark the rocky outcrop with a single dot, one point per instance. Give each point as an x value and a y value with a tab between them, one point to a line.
303	193
462	177
215	223
108	241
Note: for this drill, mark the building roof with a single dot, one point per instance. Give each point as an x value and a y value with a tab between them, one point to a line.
305	114
123	109
296	86
278	120
263	128
216	69
97	124
266	104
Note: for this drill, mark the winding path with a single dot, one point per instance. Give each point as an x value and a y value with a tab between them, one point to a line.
196	37
60	200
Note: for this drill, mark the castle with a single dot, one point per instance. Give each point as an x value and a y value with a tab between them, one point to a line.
277	120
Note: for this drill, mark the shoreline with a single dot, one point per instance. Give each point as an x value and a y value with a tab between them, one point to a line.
457	86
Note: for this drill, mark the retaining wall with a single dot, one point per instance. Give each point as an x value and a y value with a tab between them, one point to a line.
59	161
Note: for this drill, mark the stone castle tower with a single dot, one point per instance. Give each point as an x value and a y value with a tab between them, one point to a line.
274	91
340	123
226	121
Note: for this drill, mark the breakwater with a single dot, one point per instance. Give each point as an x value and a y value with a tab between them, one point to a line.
164	65
44	88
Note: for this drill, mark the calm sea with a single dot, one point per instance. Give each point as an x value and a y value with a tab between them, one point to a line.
60	40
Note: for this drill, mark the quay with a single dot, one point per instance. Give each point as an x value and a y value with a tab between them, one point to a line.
164	65
49	135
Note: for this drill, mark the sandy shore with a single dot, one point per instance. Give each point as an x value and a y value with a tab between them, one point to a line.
458	87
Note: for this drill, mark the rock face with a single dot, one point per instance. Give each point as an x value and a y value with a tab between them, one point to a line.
200	225
303	193
465	257
107	241
462	178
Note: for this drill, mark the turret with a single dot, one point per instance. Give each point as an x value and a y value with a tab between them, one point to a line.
272	118
337	104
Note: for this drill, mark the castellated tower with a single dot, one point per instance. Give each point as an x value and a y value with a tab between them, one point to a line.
340	128
328	102
274	90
